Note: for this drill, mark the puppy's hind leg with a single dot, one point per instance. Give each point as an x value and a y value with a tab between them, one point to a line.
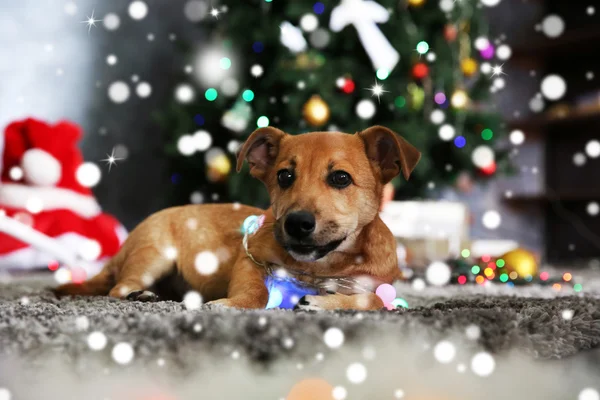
140	270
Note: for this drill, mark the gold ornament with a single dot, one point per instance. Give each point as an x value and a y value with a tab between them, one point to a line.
218	168
316	111
468	66
416	3
459	99
521	261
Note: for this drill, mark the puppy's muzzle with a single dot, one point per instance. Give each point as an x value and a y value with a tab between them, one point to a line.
299	227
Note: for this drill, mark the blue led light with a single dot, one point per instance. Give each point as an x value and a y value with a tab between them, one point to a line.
258	47
199	119
176	178
319	7
285	292
460	142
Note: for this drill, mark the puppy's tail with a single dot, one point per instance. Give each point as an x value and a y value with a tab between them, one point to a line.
99	285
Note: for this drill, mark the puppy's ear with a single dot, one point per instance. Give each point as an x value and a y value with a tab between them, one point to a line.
391	152
260	150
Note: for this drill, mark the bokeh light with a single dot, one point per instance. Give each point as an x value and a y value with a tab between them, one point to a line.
438	273
483	364
258	47
460	141
422	47
333	338
400	302
356	373
439	98
262	121
225	63
319	8
248	95
211	94
199	119
206	263
444	352
382	73
557	286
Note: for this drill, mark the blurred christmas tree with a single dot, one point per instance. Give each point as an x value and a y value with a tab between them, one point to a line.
423	68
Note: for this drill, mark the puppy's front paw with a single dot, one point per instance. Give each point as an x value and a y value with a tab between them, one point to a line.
221	303
142	295
309	303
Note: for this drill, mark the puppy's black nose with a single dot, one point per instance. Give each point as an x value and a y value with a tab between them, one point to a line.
300	224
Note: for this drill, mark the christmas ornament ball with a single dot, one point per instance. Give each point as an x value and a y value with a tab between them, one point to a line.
468	66
316	111
521	261
420	71
450	32
218	168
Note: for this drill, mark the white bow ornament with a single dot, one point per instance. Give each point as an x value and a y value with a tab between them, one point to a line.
364	15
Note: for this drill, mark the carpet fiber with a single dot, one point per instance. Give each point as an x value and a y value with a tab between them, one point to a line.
519	328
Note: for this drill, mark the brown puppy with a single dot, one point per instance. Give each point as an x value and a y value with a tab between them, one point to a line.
323	225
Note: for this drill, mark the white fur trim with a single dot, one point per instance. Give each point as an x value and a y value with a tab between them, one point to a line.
52	198
1	150
41	168
121	233
29	258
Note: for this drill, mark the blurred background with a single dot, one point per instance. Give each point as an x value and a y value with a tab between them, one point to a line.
501	96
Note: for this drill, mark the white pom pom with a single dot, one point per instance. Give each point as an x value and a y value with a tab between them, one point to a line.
40	168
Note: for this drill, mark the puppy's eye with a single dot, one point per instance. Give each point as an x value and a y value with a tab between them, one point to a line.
339	179
285	178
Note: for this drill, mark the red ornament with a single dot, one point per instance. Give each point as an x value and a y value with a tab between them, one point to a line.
490	169
349	86
420	71
450	32
53	265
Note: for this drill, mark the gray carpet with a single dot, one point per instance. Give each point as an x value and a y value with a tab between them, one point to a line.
44	346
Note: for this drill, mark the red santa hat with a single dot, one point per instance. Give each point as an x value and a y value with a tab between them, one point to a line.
45	183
